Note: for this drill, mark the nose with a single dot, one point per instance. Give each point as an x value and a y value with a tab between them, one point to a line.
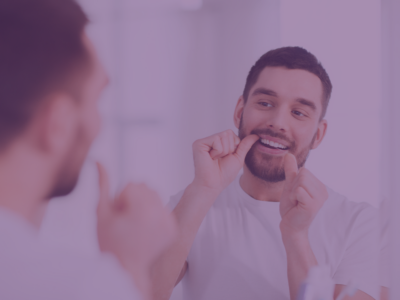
279	119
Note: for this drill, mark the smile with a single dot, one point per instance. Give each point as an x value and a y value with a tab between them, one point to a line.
273	145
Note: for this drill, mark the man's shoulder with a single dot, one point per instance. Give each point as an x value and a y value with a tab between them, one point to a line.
339	201
71	275
339	208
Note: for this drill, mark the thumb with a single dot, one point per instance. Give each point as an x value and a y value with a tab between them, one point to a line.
125	197
290	167
245	145
104	190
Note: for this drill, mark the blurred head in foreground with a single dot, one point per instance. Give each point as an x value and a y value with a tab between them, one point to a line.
50	83
50	80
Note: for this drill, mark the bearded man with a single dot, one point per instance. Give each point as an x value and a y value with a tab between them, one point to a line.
50	84
256	235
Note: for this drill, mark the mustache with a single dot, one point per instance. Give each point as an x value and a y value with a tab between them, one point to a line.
272	133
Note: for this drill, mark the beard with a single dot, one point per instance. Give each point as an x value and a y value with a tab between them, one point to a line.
268	167
67	176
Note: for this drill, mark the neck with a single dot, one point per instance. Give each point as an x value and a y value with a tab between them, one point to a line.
260	189
22	188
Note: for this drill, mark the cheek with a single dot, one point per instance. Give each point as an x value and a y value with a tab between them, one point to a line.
304	135
95	127
251	119
92	121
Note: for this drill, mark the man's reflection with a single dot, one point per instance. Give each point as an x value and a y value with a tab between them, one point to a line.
256	235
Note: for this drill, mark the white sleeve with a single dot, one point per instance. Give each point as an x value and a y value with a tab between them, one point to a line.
107	280
361	257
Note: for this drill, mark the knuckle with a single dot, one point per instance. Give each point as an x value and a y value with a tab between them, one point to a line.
303	171
130	188
302	176
219	139
156	198
141	187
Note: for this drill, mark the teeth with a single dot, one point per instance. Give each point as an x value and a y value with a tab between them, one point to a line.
272	144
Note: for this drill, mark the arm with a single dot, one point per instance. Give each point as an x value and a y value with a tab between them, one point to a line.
217	160
300	259
135	227
171	266
301	199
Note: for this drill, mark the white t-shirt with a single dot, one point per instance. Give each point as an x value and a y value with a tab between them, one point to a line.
33	269
238	251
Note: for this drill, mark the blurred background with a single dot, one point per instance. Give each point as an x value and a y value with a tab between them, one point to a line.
177	69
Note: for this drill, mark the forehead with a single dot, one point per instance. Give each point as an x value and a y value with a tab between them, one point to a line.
290	83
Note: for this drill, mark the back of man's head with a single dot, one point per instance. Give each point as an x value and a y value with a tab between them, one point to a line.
41	51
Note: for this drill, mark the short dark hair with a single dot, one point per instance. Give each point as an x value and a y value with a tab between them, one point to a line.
41	50
291	58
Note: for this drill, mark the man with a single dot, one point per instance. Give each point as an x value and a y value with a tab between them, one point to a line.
50	82
257	235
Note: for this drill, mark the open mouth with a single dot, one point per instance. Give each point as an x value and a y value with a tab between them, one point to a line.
273	145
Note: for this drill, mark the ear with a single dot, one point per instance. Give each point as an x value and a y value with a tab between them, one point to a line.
58	123
319	136
238	111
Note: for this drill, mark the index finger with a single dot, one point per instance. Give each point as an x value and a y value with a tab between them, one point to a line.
245	145
104	188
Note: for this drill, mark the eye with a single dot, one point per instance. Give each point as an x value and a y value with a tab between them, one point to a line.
297	113
265	104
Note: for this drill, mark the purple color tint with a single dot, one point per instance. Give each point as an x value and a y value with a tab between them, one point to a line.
177	69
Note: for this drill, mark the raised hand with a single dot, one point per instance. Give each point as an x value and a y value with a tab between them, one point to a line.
302	197
219	158
135	227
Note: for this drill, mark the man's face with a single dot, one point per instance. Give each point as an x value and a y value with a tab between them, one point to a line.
87	127
283	108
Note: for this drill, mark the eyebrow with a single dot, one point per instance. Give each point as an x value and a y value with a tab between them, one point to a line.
268	92
307	103
263	91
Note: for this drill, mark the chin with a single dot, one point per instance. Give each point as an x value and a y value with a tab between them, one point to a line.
267	168
70	167
65	189
65	184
